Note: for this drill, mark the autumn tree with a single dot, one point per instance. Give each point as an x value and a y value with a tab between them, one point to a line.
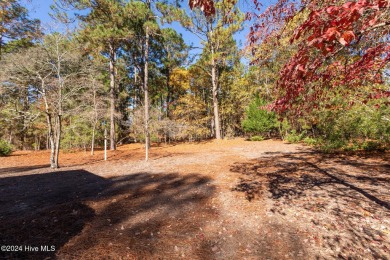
215	28
340	44
338	64
192	118
175	54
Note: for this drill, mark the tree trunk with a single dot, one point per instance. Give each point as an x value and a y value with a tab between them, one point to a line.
47	141
58	140
93	139
1	46
96	117
50	134
35	142
10	137
146	90
168	100
51	141
112	98
214	78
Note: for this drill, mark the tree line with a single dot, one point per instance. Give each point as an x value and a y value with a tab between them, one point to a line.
123	70
120	69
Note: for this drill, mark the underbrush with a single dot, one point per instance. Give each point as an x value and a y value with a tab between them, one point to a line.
340	145
293	137
256	138
5	148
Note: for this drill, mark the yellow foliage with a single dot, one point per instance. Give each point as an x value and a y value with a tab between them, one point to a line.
180	79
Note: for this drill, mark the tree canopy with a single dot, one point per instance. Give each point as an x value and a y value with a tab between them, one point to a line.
322	67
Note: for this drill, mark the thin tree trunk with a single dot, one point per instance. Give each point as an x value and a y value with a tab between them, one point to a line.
96	118
10	137
112	98
47	141
1	45
135	87
214	78
212	128
168	100
93	140
50	137
146	90
58	118
58	140
51	140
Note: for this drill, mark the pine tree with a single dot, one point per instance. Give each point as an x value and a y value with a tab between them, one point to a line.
215	29
15	24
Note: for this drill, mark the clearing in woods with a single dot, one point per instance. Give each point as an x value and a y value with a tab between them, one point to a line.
214	200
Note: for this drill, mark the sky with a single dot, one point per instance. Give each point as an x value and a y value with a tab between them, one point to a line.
40	9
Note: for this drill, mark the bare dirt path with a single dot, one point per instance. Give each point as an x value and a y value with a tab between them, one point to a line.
214	200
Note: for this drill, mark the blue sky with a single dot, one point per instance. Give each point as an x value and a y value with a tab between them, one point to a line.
41	8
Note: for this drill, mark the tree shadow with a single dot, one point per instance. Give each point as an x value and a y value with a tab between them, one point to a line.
86	216
332	192
19	169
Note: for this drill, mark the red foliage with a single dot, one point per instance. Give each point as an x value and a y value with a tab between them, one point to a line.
207	6
356	30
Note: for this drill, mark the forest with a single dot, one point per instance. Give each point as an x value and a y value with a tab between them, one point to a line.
200	129
115	65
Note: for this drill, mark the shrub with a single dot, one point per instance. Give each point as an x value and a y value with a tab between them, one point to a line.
5	148
329	146
371	146
293	137
259	121
310	141
256	138
345	128
284	128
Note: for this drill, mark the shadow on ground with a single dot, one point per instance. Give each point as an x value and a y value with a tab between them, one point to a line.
13	170
83	215
347	200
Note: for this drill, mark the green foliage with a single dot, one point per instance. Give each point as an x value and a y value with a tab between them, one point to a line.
310	141
15	23
284	128
258	120
5	148
294	137
341	125
371	145
364	126
332	145
256	138
77	134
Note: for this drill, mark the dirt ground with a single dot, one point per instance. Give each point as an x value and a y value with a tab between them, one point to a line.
229	199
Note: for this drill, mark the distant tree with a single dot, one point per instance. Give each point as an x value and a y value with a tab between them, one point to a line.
15	24
95	106
215	28
175	54
191	116
105	27
52	70
258	120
